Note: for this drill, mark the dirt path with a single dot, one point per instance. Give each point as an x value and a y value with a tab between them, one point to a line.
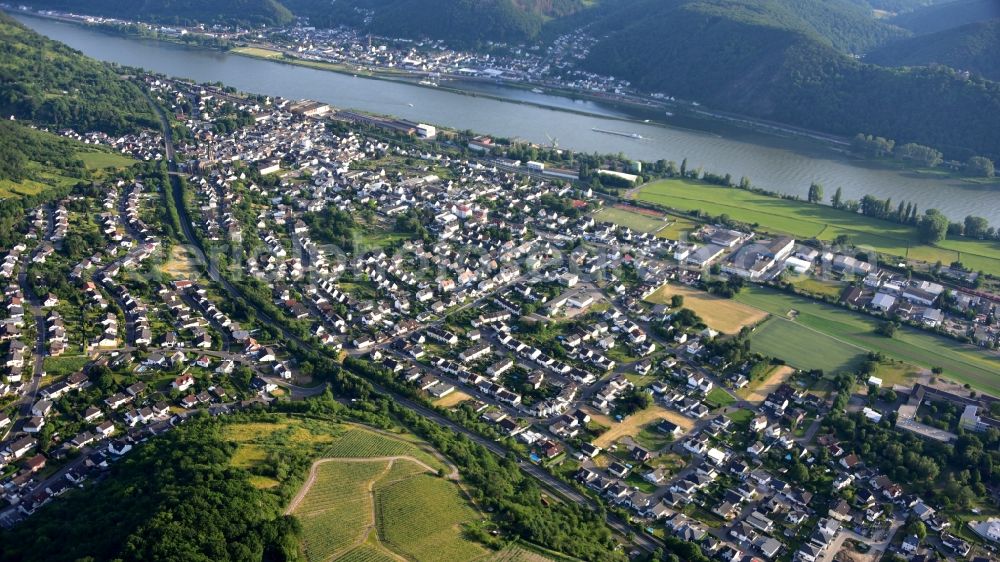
294	504
453	475
773	381
371	524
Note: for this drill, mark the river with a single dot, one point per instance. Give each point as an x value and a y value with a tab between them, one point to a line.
786	164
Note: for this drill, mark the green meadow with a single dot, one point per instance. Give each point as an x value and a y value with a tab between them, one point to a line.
805	220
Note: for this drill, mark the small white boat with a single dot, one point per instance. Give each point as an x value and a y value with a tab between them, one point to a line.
537	91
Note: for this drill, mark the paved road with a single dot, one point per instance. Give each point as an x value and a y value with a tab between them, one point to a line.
33	306
843	535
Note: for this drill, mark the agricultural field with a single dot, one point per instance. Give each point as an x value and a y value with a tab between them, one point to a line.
804	220
636	221
758	389
12	190
257	52
100	160
256	441
336	510
181	264
453	399
422	517
518	553
725	315
367	553
819	287
383	509
825	336
632	425
64	364
247	456
360	469
365	443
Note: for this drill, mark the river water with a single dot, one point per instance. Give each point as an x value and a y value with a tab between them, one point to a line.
786	164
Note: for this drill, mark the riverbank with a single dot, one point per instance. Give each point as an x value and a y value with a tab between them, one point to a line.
839	145
833	142
780	162
413	79
642	110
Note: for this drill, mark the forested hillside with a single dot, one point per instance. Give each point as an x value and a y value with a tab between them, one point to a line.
174	498
23	151
947	15
974	47
783	64
243	12
459	21
53	85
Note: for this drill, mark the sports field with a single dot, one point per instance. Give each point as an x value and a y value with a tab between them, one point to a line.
725	315
678	228
258	52
810	334
804	220
636	221
805	348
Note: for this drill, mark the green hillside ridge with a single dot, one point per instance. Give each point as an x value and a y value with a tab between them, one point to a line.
759	60
174	498
178	12
947	15
458	21
30	159
55	86
974	47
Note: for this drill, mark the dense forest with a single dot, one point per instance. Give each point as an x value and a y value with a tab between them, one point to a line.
23	150
946	15
974	47
174	498
53	85
179	12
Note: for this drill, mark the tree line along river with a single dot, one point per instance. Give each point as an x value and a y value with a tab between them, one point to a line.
782	163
